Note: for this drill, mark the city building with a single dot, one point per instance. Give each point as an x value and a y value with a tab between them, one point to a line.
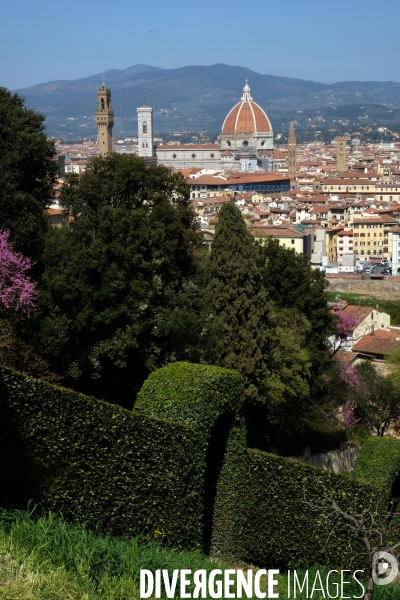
341	160
344	243
246	143
145	131
291	159
104	116
372	236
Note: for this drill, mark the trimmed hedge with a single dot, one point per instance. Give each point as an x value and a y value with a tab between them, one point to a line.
190	394
284	521
379	461
177	469
130	473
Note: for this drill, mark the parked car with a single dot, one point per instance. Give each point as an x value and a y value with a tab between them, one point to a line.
368	271
387	271
384	262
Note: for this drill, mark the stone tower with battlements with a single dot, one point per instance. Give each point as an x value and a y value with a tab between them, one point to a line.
341	162
145	131
291	160
104	116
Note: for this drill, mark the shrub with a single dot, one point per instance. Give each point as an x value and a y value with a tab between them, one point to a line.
285	521
176	469
379	461
131	473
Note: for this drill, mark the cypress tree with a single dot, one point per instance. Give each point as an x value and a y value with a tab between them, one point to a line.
239	300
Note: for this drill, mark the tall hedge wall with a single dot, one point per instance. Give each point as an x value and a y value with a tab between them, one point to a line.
208	399
131	473
177	469
379	461
284	520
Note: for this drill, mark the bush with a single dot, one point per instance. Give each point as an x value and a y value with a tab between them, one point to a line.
190	394
379	461
285	522
130	473
177	469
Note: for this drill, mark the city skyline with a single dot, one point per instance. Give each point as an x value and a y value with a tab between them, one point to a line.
348	41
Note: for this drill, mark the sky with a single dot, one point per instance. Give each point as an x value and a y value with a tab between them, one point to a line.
319	40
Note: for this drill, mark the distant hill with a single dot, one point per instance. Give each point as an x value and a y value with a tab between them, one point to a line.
190	98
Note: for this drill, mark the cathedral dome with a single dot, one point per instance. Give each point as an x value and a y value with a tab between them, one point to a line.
246	117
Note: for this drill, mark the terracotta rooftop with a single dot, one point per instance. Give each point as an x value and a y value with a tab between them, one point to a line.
358	312
380	342
279	231
246	117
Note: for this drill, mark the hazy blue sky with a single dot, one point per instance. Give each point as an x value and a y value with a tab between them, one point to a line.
324	40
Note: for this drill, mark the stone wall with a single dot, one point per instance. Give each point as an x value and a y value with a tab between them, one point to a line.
386	289
338	461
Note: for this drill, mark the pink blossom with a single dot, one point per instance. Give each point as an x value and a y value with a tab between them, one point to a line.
345	322
349	418
349	375
17	292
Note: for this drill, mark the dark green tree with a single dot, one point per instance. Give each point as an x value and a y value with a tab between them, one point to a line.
116	293
263	343
376	397
28	169
238	301
290	282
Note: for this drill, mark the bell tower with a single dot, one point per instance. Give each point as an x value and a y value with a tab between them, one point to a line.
292	153
341	163
145	130
104	116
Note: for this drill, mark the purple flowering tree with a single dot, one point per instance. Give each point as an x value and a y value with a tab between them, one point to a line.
345	322
17	292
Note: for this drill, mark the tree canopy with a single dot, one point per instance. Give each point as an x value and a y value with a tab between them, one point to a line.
377	399
115	281
28	169
239	300
290	282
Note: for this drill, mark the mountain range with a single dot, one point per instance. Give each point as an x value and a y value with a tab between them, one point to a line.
191	98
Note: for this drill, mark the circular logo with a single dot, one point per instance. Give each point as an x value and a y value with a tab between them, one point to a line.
384	564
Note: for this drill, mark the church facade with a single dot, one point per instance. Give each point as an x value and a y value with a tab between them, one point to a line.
246	142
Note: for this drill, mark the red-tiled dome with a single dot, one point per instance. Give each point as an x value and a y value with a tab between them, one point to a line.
246	117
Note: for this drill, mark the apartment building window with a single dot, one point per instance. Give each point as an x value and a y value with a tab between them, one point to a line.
292	241
362	252
362	243
355	243
368	235
356	235
362	234
386	249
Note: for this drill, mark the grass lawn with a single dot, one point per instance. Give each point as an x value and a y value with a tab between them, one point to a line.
47	559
